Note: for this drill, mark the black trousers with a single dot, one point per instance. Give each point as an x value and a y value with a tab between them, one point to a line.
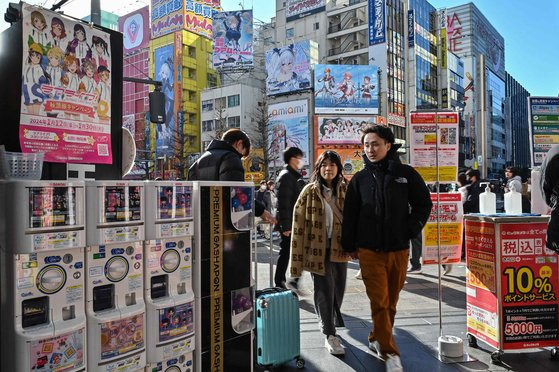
283	261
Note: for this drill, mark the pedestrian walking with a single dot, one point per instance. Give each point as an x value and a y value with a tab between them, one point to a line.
316	243
263	196
222	162
289	185
471	205
550	188
387	203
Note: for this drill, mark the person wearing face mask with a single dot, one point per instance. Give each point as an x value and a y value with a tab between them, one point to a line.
387	203
263	196
289	185
222	162
471	205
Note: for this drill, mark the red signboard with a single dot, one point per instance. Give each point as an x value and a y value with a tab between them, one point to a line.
529	293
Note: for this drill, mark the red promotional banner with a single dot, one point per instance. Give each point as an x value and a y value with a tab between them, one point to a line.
481	308
529	293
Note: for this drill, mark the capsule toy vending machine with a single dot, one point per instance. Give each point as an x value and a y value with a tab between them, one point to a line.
114	276
223	277
168	276
42	276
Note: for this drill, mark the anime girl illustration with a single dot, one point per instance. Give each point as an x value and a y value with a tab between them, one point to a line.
100	51
71	79
87	82
33	77
328	82
282	76
58	37
347	87
104	93
366	89
79	46
55	57
165	75
232	26
39	31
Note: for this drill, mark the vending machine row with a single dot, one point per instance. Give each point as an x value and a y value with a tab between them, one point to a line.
99	275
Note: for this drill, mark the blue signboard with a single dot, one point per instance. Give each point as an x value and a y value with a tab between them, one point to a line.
411	29
377	26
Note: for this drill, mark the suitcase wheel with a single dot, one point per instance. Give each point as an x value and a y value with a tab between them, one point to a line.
300	363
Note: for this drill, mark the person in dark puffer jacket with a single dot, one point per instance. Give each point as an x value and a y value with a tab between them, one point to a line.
222	162
387	203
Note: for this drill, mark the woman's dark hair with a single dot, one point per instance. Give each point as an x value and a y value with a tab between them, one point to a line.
462	180
291	152
233	135
473	173
382	131
334	158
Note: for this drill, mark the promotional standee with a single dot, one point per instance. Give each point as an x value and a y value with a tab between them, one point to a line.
168	275
114	276
42	268
511	284
223	284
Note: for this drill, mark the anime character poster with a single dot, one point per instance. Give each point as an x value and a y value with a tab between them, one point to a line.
343	130
232	37
176	321
122	336
288	126
164	72
288	68
65	89
60	353
350	89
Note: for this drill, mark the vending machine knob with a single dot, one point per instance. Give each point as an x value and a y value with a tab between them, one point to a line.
51	279
116	269
170	260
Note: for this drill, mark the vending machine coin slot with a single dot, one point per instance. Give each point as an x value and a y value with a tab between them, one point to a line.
130	299
159	286
35	311
69	312
103	297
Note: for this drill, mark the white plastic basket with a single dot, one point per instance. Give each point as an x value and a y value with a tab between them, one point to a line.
17	165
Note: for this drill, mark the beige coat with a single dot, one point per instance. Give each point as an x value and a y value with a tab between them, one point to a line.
308	233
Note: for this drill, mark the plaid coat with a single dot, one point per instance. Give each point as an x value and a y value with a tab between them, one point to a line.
308	233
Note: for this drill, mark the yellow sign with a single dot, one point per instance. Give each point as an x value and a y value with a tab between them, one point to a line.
443	48
447	174
255	169
450	234
481	274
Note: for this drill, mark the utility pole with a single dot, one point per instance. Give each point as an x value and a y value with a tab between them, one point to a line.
96	12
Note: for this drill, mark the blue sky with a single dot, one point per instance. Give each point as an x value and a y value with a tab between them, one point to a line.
530	30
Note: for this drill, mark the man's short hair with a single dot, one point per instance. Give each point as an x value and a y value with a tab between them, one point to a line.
233	135
263	182
291	152
513	170
382	131
473	173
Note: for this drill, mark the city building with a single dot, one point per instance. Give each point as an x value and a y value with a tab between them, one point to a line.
482	49
108	20
517	123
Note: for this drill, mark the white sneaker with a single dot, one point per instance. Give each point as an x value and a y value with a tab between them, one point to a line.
358	275
374	346
447	269
334	345
393	363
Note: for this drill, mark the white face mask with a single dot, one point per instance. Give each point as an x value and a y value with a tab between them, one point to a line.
300	164
262	188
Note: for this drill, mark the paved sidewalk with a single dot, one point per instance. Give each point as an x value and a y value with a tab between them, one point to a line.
416	328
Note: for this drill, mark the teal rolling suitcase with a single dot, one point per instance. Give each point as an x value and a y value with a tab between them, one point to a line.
277	328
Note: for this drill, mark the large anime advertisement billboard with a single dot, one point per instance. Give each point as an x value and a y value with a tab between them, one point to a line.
135	29
288	126
350	89
295	9
288	68
168	16
164	72
65	89
232	37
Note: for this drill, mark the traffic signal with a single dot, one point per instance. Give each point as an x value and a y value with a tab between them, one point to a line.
13	13
157	107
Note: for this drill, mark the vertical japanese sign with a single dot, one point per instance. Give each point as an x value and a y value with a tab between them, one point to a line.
411	28
450	222
443	37
178	140
544	126
481	285
424	141
377	25
165	72
232	37
454	32
529	287
66	89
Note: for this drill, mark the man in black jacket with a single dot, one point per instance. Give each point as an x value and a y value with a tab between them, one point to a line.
471	205
387	203
289	184
550	188
222	162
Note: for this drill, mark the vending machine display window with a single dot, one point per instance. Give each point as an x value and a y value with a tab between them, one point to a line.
35	311
122	204
174	202
52	206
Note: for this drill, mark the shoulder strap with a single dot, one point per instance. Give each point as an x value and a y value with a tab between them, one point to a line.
335	209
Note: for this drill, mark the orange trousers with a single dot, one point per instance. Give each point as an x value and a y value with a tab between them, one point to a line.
384	274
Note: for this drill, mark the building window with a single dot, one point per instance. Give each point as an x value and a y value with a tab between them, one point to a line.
290	32
316	26
234	122
233	101
207	105
220	103
207	125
